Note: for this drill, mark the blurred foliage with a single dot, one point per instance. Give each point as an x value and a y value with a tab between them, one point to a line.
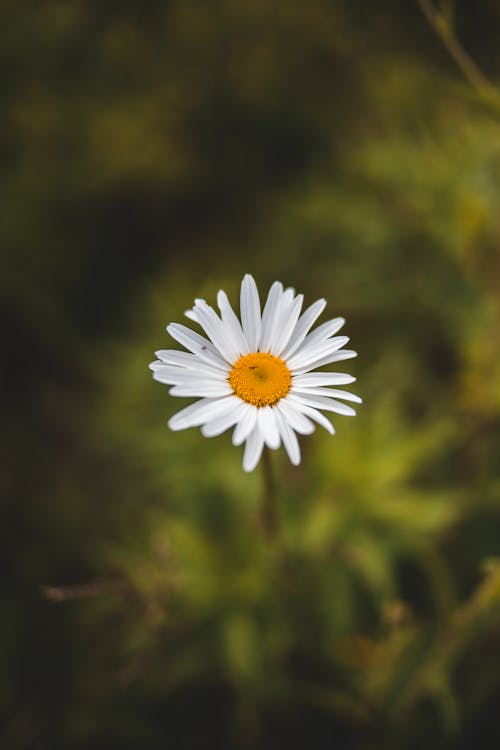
154	152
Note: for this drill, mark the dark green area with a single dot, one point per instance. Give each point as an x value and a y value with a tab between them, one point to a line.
153	152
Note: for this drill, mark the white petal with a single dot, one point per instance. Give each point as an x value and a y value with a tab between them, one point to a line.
250	312
327	404
199	345
253	449
270	315
325	330
191	314
312	379
315	350
245	425
220	424
294	416
286	325
326	360
266	421
175	357
303	325
216	331
232	323
318	417
172	375
192	391
329	392
189	363
198	413
289	439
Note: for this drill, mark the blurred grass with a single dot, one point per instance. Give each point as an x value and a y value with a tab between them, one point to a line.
154	153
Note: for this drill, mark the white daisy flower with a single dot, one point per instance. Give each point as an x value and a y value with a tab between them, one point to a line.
256	375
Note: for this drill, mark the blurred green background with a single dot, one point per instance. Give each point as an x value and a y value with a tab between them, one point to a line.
156	151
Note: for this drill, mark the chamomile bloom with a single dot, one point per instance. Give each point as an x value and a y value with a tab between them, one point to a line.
256	375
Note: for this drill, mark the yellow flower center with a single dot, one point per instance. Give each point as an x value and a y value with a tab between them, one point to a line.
260	379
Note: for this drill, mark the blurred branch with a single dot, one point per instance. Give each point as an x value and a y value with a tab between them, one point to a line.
441	20
467	624
79	591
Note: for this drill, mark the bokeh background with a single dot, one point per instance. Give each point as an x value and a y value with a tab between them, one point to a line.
156	151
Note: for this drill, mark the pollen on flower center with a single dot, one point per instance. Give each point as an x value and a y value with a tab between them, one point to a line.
260	379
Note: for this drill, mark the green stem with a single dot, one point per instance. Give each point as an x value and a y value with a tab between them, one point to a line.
269	515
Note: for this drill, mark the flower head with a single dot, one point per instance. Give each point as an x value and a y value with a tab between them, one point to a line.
257	375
